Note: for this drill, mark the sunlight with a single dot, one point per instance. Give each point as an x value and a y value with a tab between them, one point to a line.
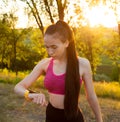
22	17
95	16
101	15
70	15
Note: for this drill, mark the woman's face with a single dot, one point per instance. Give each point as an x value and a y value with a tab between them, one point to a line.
55	47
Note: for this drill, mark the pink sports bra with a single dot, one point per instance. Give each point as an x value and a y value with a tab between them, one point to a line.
54	83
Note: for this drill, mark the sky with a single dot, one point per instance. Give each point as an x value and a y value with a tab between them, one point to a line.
20	13
100	15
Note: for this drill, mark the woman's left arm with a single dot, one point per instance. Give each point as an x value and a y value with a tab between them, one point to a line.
90	93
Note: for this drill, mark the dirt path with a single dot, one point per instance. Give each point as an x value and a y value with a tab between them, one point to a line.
15	109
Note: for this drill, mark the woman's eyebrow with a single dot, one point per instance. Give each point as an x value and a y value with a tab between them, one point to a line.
50	45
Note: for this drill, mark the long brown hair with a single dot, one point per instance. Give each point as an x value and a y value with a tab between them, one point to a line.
72	79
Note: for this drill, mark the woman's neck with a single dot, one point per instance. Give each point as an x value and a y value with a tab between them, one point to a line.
61	60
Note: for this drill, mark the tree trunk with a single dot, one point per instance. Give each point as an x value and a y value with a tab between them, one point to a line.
119	42
61	6
47	7
36	15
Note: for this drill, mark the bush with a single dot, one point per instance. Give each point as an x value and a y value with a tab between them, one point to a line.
10	77
9	80
102	77
109	90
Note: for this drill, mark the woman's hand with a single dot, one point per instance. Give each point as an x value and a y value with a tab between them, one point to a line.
38	98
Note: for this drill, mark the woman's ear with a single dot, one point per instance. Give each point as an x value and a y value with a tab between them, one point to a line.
66	43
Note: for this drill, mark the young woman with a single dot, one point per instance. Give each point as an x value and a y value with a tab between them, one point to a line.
64	73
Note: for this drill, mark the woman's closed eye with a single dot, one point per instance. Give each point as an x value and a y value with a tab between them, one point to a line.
54	47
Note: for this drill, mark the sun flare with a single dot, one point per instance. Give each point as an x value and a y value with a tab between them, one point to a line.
93	16
76	9
101	15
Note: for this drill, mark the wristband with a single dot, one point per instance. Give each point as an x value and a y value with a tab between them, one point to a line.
26	93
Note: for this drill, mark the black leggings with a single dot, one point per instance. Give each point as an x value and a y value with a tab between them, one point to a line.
57	115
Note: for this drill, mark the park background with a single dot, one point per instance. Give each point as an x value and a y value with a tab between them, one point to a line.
96	26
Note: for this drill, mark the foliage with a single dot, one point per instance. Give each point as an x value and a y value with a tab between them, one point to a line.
89	44
111	89
10	77
20	48
98	47
102	77
107	72
112	49
106	89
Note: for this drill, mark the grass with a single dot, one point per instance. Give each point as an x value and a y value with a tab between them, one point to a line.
15	109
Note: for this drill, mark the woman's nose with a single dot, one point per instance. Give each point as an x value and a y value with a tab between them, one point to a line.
50	52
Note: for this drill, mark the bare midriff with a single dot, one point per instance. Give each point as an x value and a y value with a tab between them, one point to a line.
56	100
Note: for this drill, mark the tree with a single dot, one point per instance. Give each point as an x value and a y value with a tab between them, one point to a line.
89	45
10	39
61	7
4	39
31	50
112	48
113	51
45	6
35	12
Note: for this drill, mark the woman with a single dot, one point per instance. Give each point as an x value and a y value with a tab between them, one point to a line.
65	72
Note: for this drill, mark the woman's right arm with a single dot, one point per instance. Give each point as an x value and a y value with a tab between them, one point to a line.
23	85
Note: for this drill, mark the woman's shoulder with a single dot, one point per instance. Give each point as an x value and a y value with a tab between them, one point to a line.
43	64
83	61
45	61
84	65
